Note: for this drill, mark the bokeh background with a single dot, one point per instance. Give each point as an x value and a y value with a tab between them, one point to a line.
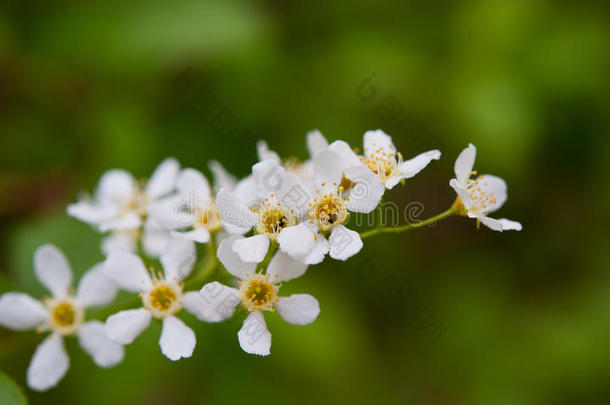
444	315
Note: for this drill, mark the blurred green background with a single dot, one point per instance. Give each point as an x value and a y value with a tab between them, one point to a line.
87	86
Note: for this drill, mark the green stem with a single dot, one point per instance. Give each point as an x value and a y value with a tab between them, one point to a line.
206	270
265	263
451	211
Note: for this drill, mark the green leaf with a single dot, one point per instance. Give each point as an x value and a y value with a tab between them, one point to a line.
10	393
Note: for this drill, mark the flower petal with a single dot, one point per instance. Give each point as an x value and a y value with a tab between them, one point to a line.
130	220
222	178
464	164
193	303
252	249
254	337
508	225
246	191
199	235
285	267
178	259
296	240
217	302
19	311
346	153
393	181
231	260
155	239
177	340
91	213
127	271
366	194
269	176
298	309
344	243
491	223
233	212
274	182
316	142
95	289
317	253
92	338
116	187
192	183
49	364
122	241
124	326
172	212
163	179
411	167
52	269
495	188
264	153
328	167
378	143
462	193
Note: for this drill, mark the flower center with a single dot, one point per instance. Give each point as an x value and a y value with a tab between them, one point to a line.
382	164
65	316
482	199
328	210
163	299
258	293
209	217
273	218
138	201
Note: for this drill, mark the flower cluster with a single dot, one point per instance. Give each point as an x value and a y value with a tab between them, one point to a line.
265	230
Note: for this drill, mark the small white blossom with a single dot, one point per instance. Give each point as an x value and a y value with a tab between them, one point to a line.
275	210
482	195
381	157
162	298
342	185
120	206
258	293
63	314
191	212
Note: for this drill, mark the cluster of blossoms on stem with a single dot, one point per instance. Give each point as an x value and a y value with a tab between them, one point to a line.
265	229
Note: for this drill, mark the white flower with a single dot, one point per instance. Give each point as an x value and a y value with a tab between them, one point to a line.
276	209
381	157
63	315
191	212
258	293
316	143
120	205
162	298
343	185
480	196
192	208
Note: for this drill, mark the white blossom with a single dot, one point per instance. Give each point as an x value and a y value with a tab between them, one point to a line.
481	195
342	185
258	292
120	206
63	315
162	298
275	210
381	157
